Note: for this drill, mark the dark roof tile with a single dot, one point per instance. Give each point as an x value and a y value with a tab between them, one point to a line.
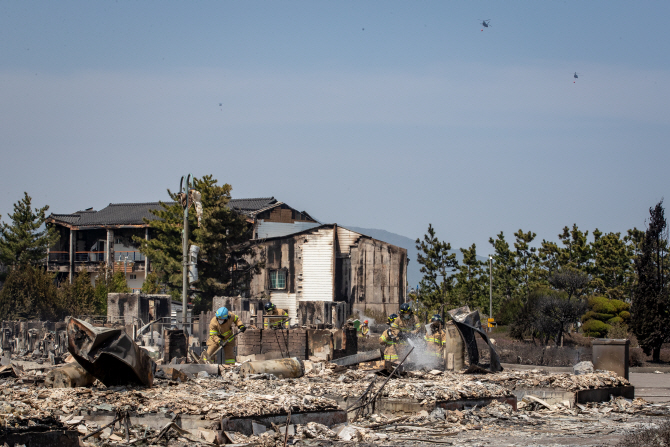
250	206
120	214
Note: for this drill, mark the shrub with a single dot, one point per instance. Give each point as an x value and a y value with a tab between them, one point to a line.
602	305
620	305
618	330
636	357
595	328
509	309
591	315
615	320
29	293
624	314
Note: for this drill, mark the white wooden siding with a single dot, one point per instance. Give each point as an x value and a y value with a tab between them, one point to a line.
286	301
318	270
345	240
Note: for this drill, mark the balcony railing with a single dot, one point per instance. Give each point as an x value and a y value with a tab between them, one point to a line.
96	256
59	256
135	256
89	256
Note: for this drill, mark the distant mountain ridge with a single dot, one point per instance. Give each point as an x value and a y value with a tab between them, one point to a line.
413	268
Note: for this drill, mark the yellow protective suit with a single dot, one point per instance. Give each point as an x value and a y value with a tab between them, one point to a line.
274	323
219	333
435	343
389	340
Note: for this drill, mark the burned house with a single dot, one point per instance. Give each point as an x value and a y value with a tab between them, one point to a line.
329	263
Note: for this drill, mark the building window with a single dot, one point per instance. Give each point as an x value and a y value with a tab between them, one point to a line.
133	276
277	279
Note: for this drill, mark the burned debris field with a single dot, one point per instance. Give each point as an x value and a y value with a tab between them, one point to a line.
59	388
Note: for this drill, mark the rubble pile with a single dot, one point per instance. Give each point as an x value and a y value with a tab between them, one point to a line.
474	424
540	379
352	383
35	396
207	397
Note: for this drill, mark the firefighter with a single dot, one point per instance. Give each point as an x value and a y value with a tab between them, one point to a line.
408	323
275	323
220	331
365	330
436	340
390	340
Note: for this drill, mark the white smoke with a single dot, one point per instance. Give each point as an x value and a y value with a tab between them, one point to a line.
362	317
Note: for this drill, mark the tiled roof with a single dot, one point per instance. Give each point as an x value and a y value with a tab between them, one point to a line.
121	214
135	213
250	207
67	218
113	214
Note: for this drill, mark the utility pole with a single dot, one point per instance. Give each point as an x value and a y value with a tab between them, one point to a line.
184	263
490	289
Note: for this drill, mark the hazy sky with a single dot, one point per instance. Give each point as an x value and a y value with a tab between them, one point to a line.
379	114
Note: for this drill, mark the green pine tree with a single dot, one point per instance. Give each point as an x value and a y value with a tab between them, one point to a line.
438	266
25	241
151	284
526	272
505	299
650	310
576	252
472	281
107	281
223	262
549	255
612	265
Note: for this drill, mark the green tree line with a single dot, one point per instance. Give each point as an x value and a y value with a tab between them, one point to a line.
29	292
541	287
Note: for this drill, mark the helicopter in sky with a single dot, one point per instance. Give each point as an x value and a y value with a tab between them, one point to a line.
575	75
485	23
